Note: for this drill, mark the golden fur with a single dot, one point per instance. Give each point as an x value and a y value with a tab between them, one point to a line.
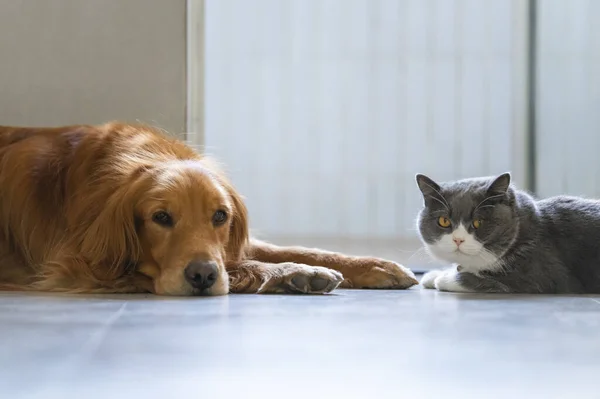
77	205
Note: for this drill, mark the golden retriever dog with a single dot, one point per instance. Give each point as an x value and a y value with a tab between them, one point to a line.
125	208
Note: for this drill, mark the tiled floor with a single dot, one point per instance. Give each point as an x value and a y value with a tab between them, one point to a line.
367	344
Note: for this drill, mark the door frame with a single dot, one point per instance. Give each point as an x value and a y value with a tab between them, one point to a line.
195	73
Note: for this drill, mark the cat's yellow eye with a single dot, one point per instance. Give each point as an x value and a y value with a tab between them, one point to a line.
444	221
477	223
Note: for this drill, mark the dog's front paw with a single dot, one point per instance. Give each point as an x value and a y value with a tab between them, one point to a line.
294	278
378	273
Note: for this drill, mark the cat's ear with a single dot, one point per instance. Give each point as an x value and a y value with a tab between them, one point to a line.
427	186
500	184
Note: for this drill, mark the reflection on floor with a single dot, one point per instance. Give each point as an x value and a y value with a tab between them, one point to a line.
351	344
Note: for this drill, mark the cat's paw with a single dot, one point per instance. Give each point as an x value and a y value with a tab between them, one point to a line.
428	279
447	281
378	273
294	278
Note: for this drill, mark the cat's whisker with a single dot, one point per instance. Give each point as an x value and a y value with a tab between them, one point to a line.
407	250
447	205
489	198
491	259
430	254
482	255
422	255
444	204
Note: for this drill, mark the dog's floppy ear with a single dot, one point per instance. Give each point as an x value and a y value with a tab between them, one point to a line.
238	231
110	242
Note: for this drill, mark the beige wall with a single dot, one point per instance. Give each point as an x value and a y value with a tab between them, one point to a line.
90	61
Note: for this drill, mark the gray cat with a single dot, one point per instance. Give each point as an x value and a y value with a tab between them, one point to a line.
504	240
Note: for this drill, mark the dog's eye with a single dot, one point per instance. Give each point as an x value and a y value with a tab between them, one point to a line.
162	218
219	217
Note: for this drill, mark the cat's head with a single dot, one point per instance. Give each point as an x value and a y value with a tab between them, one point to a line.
470	222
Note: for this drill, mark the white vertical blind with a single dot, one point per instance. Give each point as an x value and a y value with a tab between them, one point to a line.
568	98
324	110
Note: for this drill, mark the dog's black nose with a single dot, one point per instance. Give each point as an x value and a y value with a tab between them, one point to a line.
201	274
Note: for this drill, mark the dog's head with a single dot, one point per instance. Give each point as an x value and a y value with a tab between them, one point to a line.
189	223
178	223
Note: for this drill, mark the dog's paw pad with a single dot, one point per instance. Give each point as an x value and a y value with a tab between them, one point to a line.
301	283
315	280
310	284
303	279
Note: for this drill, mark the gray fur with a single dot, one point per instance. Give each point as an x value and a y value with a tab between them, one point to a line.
544	246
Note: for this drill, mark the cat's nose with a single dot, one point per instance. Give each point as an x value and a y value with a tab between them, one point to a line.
458	241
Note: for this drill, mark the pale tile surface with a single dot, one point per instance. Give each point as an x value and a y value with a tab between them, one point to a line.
413	344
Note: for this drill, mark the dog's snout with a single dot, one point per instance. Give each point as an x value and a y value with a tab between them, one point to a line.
202	274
